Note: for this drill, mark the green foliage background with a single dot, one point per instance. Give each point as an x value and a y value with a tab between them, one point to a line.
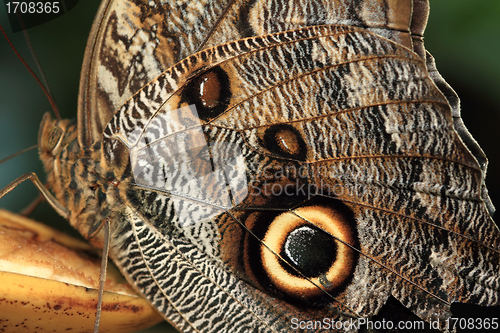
464	38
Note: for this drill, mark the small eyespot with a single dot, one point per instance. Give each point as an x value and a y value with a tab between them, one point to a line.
284	140
210	92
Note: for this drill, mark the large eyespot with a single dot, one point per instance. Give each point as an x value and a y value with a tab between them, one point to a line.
305	253
210	92
314	241
285	140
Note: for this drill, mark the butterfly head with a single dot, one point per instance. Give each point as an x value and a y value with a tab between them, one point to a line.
51	137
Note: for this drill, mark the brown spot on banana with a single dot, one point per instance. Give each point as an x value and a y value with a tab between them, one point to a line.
49	282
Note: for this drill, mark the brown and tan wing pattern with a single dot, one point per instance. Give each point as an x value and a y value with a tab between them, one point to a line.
305	165
132	42
329	145
309	163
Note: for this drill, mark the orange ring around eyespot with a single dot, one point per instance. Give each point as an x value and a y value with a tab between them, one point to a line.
325	218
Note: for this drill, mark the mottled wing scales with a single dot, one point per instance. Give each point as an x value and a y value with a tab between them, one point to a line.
194	292
369	116
132	42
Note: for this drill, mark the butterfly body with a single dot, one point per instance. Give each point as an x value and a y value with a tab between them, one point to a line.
220	171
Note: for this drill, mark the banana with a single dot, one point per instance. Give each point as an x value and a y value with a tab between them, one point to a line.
49	282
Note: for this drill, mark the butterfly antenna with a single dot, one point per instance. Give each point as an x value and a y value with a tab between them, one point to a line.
102	276
49	96
38	66
17	154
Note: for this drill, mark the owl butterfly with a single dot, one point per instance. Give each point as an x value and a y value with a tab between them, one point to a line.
308	163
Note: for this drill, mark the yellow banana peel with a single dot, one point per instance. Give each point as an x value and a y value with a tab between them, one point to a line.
49	282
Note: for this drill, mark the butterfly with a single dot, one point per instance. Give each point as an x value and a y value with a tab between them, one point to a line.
252	218
60	54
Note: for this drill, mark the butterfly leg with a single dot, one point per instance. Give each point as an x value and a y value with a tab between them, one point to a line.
60	209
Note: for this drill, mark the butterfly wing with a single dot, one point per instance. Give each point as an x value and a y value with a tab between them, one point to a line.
132	42
342	140
203	146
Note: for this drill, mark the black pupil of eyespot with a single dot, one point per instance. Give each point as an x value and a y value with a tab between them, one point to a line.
309	250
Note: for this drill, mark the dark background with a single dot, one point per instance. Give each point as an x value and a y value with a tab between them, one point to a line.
463	36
